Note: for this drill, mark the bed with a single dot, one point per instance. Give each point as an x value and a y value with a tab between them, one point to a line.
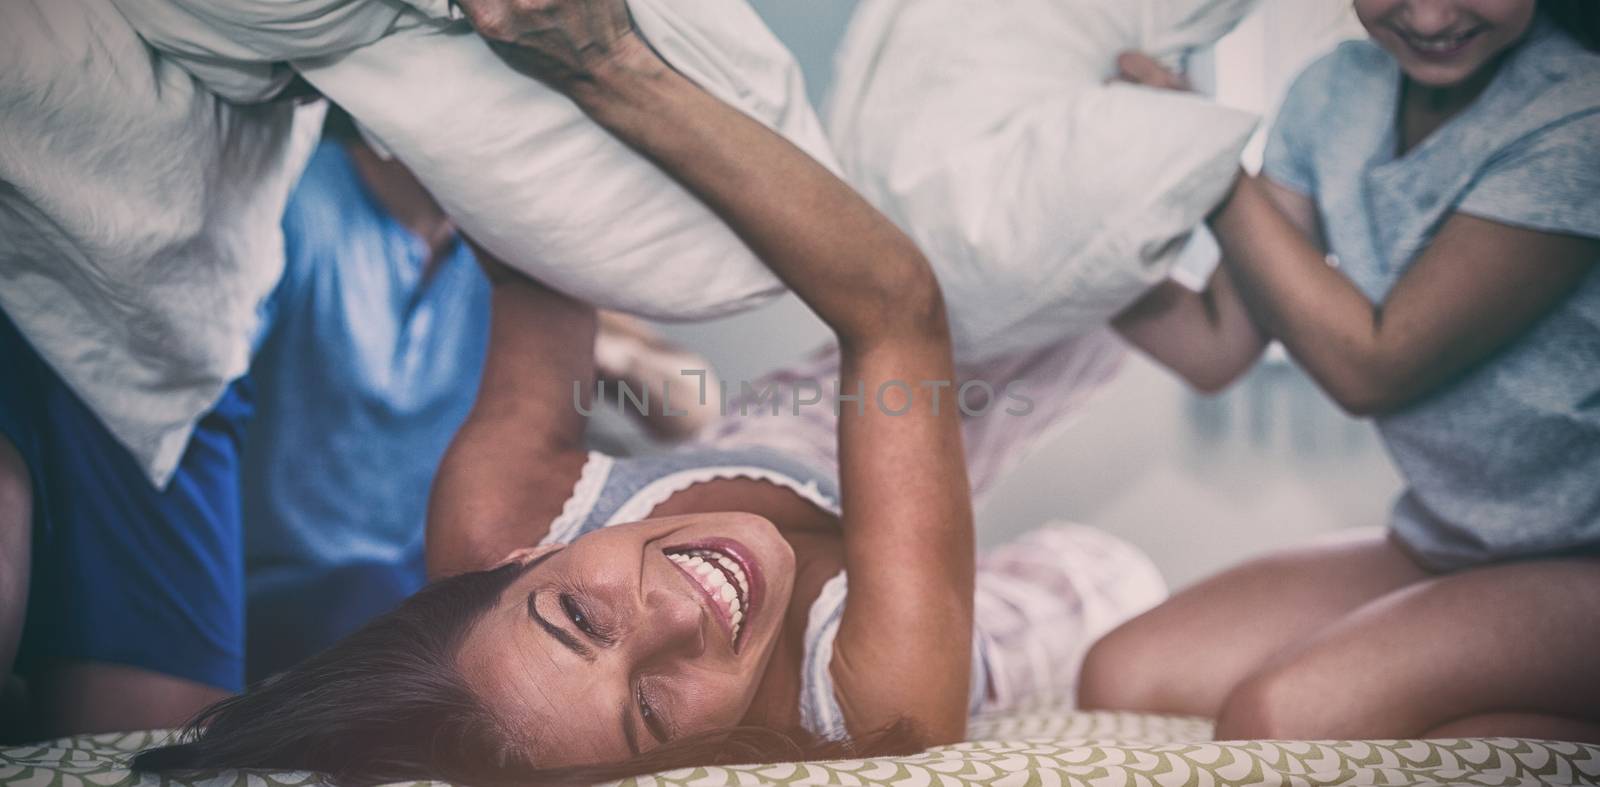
1036	748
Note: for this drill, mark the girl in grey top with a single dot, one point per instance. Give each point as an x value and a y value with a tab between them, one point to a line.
1422	240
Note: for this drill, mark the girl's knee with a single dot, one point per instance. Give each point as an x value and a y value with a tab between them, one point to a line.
1280	704
1258	709
1100	684
1119	673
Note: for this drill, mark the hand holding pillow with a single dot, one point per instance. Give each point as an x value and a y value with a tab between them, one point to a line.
557	41
1142	69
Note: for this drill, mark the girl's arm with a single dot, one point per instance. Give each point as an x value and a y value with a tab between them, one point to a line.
489	497
902	652
1476	287
1208	338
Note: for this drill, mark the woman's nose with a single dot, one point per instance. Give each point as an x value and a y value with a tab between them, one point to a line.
672	625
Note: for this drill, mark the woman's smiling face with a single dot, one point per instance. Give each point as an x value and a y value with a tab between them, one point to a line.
633	635
1441	43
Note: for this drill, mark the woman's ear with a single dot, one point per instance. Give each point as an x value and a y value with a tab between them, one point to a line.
526	555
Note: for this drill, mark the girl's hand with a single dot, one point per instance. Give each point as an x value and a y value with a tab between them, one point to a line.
559	42
1142	69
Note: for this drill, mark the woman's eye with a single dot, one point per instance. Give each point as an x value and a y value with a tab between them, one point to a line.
576	615
652	720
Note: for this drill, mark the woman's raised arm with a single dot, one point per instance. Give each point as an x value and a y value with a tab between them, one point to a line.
907	507
488	497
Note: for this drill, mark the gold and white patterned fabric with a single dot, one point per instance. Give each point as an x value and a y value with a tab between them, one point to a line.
1039	748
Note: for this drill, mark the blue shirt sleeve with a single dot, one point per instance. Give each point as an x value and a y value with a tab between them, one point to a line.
1287	160
1547	181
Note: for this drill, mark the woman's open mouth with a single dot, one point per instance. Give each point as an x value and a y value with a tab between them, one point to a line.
727	575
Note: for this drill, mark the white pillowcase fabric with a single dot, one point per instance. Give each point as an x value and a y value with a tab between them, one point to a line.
516	164
528	176
142	230
241	49
138	219
1046	199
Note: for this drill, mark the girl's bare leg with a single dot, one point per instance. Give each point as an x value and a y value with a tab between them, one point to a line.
1520	725
1187	655
1505	650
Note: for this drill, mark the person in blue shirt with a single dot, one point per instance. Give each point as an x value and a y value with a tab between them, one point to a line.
368	361
1422	239
121	603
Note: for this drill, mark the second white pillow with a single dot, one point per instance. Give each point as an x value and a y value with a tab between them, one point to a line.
1047	199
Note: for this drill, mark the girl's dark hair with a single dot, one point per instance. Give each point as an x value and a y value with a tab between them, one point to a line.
1579	18
388	704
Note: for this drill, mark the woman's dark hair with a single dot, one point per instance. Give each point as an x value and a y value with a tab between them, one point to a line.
1579	18
389	704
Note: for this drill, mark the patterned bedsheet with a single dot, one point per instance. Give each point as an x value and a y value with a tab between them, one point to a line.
1042	748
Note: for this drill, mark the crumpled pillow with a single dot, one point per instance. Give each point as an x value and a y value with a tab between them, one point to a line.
139	219
139	229
1046	199
517	165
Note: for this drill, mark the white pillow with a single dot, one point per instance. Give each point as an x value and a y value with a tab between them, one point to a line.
139	219
1046	199
524	173
241	49
517	165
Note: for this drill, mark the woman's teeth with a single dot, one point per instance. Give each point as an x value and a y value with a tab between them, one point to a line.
722	577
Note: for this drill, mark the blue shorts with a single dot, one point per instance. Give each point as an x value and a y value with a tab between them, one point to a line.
124	573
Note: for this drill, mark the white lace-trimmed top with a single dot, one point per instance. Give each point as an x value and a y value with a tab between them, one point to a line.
613	491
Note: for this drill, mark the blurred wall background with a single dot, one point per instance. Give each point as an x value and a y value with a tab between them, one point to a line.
1199	483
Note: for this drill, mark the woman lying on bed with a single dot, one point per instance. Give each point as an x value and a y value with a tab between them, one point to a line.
598	616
